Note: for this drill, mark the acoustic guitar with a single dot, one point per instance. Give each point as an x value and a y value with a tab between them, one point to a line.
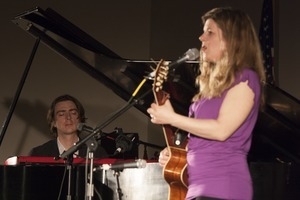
174	171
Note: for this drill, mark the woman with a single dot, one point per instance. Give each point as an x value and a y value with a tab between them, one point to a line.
224	111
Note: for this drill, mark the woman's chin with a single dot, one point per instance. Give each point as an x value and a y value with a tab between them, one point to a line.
205	58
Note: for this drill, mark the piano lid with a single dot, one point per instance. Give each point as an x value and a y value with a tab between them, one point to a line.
277	131
119	74
276	135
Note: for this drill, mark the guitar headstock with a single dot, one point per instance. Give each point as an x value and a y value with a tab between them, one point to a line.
160	77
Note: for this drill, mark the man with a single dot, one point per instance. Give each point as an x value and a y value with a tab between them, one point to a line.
64	115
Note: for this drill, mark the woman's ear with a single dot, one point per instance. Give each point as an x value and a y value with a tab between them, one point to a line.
222	45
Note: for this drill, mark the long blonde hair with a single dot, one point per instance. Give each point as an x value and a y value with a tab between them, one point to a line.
242	51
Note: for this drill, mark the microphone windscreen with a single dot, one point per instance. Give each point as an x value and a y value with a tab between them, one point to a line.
192	54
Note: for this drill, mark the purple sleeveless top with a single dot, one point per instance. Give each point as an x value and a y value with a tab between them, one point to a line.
220	169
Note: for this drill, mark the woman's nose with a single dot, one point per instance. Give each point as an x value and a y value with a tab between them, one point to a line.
201	37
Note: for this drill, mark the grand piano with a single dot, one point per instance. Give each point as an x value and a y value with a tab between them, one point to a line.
274	157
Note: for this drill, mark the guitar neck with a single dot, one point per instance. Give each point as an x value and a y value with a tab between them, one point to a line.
175	168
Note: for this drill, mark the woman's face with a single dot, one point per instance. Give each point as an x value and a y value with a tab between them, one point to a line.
213	44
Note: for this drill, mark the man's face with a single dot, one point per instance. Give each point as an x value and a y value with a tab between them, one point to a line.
66	118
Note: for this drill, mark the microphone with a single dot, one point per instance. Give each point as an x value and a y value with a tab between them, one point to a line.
83	127
191	54
140	163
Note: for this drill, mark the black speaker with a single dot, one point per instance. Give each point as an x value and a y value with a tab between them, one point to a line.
121	145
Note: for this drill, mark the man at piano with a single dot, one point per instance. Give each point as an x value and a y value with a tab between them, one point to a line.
64	115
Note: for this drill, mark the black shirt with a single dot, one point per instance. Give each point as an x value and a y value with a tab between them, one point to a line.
50	149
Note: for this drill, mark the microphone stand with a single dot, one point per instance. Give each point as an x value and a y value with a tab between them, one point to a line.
96	131
69	169
118	190
92	145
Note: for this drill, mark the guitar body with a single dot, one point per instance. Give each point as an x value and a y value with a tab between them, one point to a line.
174	171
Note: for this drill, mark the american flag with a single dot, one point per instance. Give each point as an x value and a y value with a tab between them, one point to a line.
266	37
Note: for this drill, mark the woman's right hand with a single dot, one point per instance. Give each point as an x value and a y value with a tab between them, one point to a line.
164	157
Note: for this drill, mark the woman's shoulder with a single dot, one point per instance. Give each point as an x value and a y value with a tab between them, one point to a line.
251	76
247	74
